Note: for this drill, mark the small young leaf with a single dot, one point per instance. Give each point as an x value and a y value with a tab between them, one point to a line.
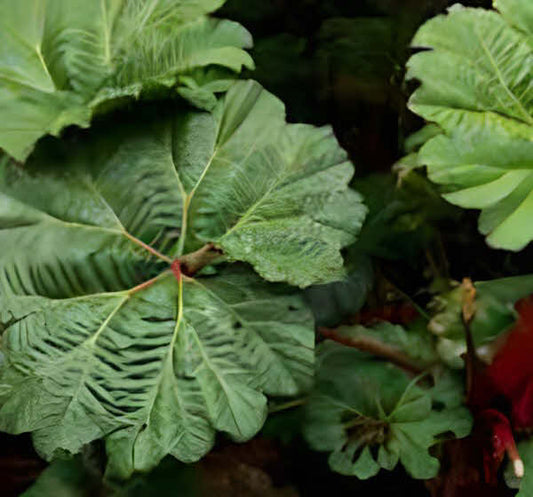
494	314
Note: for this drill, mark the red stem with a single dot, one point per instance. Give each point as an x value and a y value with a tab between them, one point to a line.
147	247
176	269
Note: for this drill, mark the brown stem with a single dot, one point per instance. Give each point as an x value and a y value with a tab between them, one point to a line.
188	265
192	263
473	364
375	347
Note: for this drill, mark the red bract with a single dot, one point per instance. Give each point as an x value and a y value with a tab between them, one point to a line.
497	438
511	372
501	399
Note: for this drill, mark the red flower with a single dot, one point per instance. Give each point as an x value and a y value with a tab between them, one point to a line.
511	372
501	398
502	395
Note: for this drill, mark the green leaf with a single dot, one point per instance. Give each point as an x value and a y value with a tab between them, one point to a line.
80	477
401	215
369	415
285	207
476	85
517	13
400	223
64	478
102	341
200	87
152	371
267	193
335	301
414	141
63	61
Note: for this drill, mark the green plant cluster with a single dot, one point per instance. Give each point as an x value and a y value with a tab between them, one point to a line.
172	248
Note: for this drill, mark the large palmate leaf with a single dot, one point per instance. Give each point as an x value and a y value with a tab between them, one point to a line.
100	338
154	370
476	85
268	193
370	415
63	60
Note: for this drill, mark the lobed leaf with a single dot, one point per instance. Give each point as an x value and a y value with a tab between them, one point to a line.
273	195
102	341
62	61
153	372
401	215
370	415
476	85
268	193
